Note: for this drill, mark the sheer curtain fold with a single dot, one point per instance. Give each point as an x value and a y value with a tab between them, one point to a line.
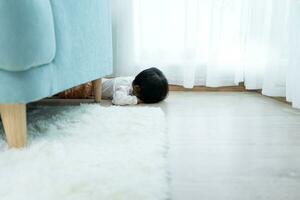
293	70
212	42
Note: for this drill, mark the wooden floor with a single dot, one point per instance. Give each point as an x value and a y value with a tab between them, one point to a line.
232	146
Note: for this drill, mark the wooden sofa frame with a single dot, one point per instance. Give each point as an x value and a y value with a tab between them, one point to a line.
14	119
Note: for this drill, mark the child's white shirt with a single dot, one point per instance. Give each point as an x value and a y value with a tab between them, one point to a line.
119	90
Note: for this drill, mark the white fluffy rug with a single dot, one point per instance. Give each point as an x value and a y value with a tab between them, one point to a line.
88	152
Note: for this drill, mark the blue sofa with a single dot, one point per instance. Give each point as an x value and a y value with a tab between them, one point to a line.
47	46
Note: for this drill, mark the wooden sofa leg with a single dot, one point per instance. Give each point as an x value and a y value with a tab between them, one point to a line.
14	123
97	87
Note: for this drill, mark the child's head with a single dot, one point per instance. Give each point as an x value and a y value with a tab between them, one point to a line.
150	86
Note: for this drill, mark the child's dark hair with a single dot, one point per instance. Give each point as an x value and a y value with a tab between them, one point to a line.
153	85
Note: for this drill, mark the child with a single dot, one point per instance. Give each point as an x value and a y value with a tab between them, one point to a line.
149	86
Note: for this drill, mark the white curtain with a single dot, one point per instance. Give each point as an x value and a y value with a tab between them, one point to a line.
212	42
293	69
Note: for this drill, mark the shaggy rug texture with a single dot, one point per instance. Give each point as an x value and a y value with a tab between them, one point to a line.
88	152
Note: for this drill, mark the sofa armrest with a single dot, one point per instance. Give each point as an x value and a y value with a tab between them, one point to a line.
27	36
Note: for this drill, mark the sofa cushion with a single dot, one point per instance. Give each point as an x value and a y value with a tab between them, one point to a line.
27	37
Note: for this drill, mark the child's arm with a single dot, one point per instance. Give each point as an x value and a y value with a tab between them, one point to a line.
121	98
